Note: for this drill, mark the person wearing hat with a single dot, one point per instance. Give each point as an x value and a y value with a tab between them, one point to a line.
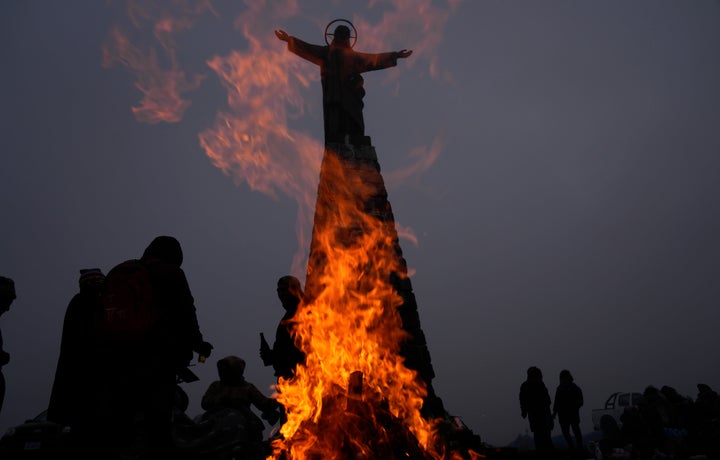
70	398
7	295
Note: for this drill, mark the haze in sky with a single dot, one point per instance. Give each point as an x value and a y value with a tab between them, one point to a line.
553	169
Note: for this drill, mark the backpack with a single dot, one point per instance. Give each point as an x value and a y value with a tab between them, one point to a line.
127	304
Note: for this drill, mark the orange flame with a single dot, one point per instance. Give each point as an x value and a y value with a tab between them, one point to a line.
161	88
350	325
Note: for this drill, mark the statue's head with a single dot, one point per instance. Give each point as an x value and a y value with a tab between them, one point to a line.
341	36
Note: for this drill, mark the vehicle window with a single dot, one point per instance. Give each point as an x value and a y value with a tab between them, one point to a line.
636	398
624	400
610	403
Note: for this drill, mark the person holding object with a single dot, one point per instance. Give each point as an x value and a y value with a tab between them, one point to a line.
284	356
145	345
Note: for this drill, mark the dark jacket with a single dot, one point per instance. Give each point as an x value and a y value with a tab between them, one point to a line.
568	401
232	391
176	333
70	400
285	354
535	403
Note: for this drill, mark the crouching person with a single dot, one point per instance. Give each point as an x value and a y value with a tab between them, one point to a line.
233	392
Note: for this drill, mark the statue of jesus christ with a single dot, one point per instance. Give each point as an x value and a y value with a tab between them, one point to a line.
342	83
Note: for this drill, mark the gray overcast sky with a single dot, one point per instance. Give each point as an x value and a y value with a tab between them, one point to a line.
563	185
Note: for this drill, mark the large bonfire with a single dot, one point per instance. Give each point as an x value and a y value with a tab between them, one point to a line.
354	397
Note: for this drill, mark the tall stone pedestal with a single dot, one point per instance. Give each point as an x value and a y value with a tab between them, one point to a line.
352	202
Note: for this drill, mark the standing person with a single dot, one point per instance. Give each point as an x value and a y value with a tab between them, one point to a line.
535	406
142	372
568	401
342	83
284	356
71	403
172	342
7	295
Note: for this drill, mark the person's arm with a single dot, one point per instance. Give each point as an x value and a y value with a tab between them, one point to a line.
266	353
213	396
366	62
186	304
312	53
581	401
268	406
261	401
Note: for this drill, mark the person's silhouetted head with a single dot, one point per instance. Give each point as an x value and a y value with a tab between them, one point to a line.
7	293
341	36
566	376
231	370
91	280
289	291
534	373
704	388
670	393
165	248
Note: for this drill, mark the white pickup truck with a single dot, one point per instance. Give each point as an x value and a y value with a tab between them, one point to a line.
614	408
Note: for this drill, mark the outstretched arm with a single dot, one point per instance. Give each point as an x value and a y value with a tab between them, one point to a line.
404	53
313	53
282	35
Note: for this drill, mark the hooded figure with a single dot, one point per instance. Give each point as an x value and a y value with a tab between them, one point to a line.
140	378
176	333
171	343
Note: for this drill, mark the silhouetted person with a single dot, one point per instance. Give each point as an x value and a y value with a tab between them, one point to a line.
7	295
706	426
655	411
342	83
143	373
71	403
707	404
635	433
172	343
535	406
681	408
232	391
567	404
284	355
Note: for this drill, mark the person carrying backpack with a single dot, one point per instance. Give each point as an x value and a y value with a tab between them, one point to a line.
148	339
